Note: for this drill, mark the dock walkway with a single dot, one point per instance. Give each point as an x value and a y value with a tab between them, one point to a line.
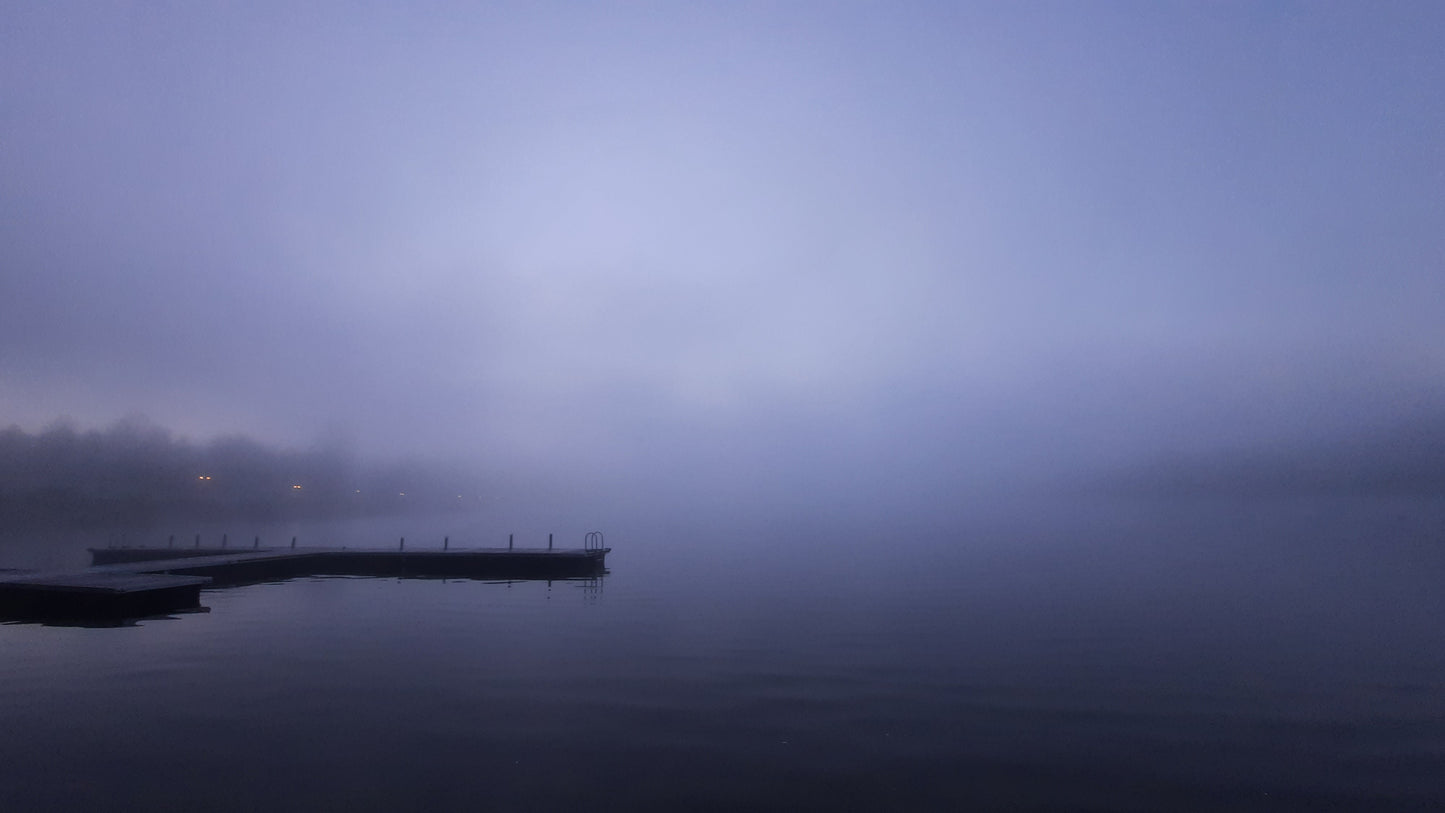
134	582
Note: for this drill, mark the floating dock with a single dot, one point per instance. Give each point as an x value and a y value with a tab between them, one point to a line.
137	582
96	595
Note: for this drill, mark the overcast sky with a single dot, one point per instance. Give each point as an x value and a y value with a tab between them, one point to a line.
846	246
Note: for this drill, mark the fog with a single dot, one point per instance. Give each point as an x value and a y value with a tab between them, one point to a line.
830	258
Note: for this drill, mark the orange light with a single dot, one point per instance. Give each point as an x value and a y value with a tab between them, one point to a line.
296	487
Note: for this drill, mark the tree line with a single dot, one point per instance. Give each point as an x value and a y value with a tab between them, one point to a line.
135	473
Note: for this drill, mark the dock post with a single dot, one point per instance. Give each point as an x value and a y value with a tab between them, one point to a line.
446	542
256	544
198	540
509	541
549	541
172	542
223	540
401	545
293	543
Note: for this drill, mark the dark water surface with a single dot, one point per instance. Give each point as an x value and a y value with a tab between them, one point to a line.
1209	656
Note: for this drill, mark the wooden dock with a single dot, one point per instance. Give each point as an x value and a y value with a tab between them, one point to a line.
96	595
136	582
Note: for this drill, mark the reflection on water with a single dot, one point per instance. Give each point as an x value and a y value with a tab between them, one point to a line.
1131	659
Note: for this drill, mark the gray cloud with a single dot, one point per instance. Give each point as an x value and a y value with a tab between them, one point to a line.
774	253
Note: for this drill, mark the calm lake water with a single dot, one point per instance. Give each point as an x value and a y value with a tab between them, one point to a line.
1128	656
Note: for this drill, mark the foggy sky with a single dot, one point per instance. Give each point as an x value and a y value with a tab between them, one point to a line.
735	249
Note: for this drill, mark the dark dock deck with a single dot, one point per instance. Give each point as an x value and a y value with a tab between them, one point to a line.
136	582
96	595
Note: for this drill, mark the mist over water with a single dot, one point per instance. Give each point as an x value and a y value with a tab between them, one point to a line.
788	257
989	406
1133	655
